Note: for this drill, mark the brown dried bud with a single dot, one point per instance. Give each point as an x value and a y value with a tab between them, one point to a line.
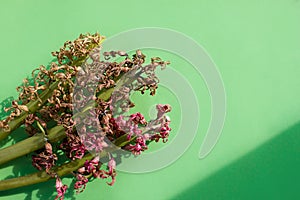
23	108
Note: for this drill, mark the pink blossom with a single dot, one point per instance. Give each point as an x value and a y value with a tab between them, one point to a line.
162	109
73	147
80	183
165	130
60	188
91	166
111	171
95	142
111	165
138	147
138	118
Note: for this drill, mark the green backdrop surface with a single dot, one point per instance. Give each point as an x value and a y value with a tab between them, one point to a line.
256	47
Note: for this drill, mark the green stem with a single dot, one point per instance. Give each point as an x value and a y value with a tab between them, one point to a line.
31	144
42	176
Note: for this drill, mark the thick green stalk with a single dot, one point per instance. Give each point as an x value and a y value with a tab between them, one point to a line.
31	144
42	176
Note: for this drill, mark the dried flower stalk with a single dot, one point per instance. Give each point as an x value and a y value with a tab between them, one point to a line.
33	97
101	90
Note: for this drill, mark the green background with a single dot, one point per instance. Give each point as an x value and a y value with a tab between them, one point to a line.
255	45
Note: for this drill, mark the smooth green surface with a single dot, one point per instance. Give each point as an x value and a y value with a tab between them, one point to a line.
256	47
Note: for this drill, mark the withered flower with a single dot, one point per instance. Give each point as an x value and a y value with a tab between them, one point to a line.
44	160
60	96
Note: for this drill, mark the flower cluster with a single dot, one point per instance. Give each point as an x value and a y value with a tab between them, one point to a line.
89	97
93	169
73	147
79	48
136	127
51	89
44	160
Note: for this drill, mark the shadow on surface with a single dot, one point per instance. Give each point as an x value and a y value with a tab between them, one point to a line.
272	171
